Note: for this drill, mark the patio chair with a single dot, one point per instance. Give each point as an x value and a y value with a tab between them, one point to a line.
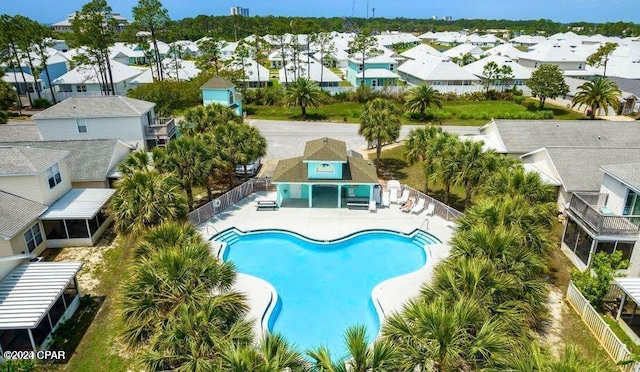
405	196
430	209
393	196
419	207
408	205
386	198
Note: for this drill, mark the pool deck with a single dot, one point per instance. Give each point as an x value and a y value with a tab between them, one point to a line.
329	224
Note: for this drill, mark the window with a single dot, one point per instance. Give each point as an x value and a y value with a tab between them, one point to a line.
81	125
359	67
631	204
81	88
53	175
230	97
33	237
391	67
580	66
325	168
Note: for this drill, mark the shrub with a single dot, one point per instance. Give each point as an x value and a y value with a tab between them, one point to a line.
340	97
3	117
531	106
272	96
596	287
362	94
518	99
450	96
473	96
41	103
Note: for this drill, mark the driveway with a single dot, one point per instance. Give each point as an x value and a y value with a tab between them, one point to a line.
286	139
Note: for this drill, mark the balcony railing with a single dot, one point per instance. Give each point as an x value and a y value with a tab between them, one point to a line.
161	128
590	208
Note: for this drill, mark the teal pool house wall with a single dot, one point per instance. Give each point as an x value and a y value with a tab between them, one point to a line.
286	191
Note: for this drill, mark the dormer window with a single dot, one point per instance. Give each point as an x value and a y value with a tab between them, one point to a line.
81	125
325	168
53	176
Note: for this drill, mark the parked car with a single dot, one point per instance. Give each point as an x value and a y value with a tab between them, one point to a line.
252	168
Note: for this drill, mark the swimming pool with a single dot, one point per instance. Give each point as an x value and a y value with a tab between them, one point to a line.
324	287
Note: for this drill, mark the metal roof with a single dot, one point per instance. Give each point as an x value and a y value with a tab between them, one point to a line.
78	204
31	289
630	286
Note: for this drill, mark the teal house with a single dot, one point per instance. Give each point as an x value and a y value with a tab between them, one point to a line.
378	71
325	177
223	92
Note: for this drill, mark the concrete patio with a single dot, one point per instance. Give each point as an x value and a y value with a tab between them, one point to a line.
330	224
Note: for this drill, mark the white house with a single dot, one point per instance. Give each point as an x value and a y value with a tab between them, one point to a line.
459	51
520	73
419	51
505	50
559	54
131	120
172	69
606	221
435	71
527	40
314	71
255	75
86	80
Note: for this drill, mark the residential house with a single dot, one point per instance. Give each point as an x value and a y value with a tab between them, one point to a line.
378	71
575	169
65	25
127	54
527	40
397	39
39	208
37	298
325	176
223	92
227	50
314	71
606	221
419	51
19	131
459	51
520	73
255	75
435	71
23	82
632	87
85	80
91	163
518	137
505	50
172	69
568	59
130	120
488	40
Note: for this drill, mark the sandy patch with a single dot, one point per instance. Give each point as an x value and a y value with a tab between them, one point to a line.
552	338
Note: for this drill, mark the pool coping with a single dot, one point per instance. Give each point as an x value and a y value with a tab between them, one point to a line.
380	294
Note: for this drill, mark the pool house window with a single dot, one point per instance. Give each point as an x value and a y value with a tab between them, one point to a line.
53	175
325	168
33	237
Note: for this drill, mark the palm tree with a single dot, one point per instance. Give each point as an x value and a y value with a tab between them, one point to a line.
447	166
201	119
441	336
187	158
136	161
518	182
362	357
251	146
169	281
423	145
303	93
223	142
463	60
380	123
273	354
475	166
421	98
144	199
600	93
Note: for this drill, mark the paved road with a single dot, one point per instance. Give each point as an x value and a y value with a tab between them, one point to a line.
286	139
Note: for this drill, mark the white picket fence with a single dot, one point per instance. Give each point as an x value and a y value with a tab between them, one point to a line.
616	349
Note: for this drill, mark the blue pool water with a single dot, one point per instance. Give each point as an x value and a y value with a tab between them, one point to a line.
324	287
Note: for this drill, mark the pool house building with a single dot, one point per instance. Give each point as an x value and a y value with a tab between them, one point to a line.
325	176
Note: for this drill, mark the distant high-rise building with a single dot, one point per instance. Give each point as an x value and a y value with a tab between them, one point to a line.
447	18
434	17
238	10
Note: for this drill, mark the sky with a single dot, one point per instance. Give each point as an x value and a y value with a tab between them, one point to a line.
49	11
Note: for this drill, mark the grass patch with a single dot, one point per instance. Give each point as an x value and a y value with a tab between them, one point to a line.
622	335
99	347
394	166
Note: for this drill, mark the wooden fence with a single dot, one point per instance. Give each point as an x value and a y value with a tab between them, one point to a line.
227	199
616	349
441	209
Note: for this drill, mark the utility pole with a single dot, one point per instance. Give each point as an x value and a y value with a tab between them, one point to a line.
367	9
235	31
353	8
373	12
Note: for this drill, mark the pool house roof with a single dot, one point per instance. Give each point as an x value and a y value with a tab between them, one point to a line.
325	149
355	170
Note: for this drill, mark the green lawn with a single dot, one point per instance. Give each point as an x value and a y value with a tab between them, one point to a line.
462	113
394	163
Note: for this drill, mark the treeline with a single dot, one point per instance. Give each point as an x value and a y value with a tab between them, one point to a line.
228	27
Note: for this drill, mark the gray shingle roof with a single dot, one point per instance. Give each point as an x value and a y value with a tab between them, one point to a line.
627	85
16	213
217	83
579	167
27	160
20	132
88	160
325	149
628	173
356	170
96	107
522	136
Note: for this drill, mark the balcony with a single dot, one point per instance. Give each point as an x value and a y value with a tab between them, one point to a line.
162	128
591	209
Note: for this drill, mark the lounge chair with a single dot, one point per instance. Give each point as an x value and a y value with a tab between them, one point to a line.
372	206
419	207
408	205
430	209
393	196
405	196
386	198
